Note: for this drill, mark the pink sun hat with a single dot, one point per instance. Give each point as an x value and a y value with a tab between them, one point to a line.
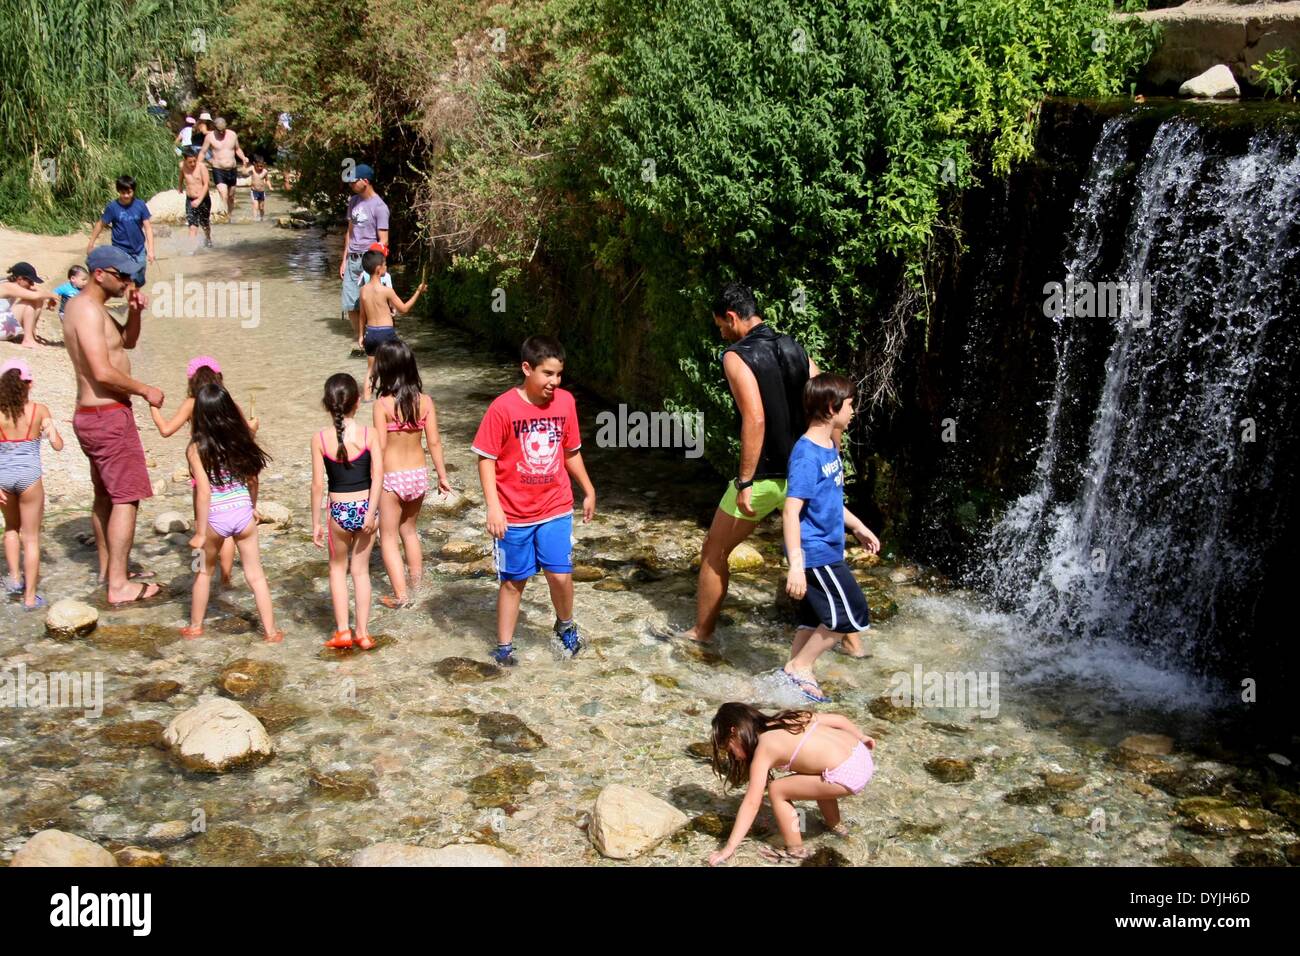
24	372
198	362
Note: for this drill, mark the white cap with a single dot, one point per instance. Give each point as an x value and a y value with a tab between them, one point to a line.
205	115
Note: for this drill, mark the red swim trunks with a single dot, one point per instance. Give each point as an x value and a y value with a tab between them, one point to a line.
110	439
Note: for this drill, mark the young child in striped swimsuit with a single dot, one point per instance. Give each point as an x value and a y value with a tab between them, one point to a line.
344	462
826	755
23	423
402	413
225	462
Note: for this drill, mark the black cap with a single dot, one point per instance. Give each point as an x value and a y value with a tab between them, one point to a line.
24	270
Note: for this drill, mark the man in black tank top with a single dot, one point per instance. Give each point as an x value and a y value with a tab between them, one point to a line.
767	372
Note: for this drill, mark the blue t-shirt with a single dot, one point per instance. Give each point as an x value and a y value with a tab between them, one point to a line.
816	475
127	223
65	292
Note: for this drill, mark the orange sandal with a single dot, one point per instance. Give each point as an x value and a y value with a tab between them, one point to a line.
364	642
275	638
192	631
340	639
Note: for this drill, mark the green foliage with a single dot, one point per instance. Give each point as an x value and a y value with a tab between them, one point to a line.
1278	73
73	113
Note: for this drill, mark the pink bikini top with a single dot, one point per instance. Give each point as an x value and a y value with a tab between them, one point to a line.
799	746
396	426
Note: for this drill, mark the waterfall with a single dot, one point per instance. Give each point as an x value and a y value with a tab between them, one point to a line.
1163	478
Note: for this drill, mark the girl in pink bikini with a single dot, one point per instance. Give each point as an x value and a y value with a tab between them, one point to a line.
402	414
202	370
825	755
225	462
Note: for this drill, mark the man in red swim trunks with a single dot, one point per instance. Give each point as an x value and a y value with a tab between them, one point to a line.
104	423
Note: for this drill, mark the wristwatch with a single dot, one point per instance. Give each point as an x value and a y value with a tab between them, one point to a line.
742	485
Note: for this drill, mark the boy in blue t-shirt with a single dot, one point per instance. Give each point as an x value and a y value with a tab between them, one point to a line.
77	279
128	218
832	605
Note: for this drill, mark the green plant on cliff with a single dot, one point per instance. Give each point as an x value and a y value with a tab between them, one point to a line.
73	111
1278	73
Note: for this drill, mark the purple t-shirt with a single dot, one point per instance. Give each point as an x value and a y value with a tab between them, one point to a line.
367	216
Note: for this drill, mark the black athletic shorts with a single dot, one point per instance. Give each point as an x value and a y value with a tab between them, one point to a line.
224	177
835	600
198	215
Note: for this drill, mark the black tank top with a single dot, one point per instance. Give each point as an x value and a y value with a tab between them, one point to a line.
353	475
780	365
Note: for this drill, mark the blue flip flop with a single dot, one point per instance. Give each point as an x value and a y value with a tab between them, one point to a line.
18	588
807	687
40	603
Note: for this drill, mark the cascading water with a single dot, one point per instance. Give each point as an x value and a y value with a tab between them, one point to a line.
1163	482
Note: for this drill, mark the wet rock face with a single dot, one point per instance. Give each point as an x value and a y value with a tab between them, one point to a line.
951	769
1214	817
503	786
509	734
462	670
248	678
56	848
1201	780
218	736
626	823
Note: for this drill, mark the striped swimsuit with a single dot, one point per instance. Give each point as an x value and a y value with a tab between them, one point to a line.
20	460
230	509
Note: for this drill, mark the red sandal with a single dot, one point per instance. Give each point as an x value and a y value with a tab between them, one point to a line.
340	639
364	642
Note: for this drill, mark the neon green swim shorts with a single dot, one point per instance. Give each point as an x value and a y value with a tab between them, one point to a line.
766	495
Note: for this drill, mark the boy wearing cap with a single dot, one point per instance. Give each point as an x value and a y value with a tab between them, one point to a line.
21	303
367	223
128	220
104	423
194	184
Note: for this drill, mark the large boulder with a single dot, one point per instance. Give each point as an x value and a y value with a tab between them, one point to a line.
69	618
169	206
1216	83
456	855
274	514
626	823
56	848
218	735
745	557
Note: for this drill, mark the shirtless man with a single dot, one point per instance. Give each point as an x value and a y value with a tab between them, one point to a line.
224	144
104	424
198	207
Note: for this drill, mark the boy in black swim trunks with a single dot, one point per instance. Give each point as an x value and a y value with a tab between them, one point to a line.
378	303
832	605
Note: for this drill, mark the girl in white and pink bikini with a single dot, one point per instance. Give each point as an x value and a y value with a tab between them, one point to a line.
825	756
402	414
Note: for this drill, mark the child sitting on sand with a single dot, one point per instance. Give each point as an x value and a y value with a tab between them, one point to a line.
826	757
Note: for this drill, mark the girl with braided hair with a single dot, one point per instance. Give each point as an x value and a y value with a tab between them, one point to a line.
342	461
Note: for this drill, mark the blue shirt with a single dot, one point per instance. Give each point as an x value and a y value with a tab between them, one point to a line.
127	223
816	476
65	292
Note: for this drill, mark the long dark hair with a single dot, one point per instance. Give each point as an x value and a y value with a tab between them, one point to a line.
13	394
203	375
396	374
747	723
226	445
341	394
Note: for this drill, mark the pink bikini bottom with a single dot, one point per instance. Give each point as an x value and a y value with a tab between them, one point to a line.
855	772
407	485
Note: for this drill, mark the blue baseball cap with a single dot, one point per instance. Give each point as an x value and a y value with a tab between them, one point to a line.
111	257
362	172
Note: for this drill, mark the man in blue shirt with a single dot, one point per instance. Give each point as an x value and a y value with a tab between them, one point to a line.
128	218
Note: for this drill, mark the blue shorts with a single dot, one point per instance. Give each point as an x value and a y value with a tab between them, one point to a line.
352	282
377	335
258	195
834	600
522	551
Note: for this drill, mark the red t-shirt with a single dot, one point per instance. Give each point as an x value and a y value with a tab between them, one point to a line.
528	443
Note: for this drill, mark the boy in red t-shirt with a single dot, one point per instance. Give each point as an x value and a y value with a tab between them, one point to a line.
526	443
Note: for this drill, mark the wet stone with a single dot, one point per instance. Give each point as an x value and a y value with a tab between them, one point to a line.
884	708
584	573
343	784
1155	744
1015	854
1030	796
337	653
248	678
136	733
1070	810
826	856
138	856
950	769
156	691
502	786
665	680
462	670
1063	782
916	831
948	728
278	715
168	832
509	734
1258	856
54	753
1178	858
143	638
1285	804
228	844
1202	780
1292	853
711	824
243	623
609	584
1214	817
693	652
701	751
1138	762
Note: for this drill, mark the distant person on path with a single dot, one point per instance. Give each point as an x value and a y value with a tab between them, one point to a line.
185	138
131	231
195	186
367	223
21	304
378	304
259	185
104	424
224	144
767	372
